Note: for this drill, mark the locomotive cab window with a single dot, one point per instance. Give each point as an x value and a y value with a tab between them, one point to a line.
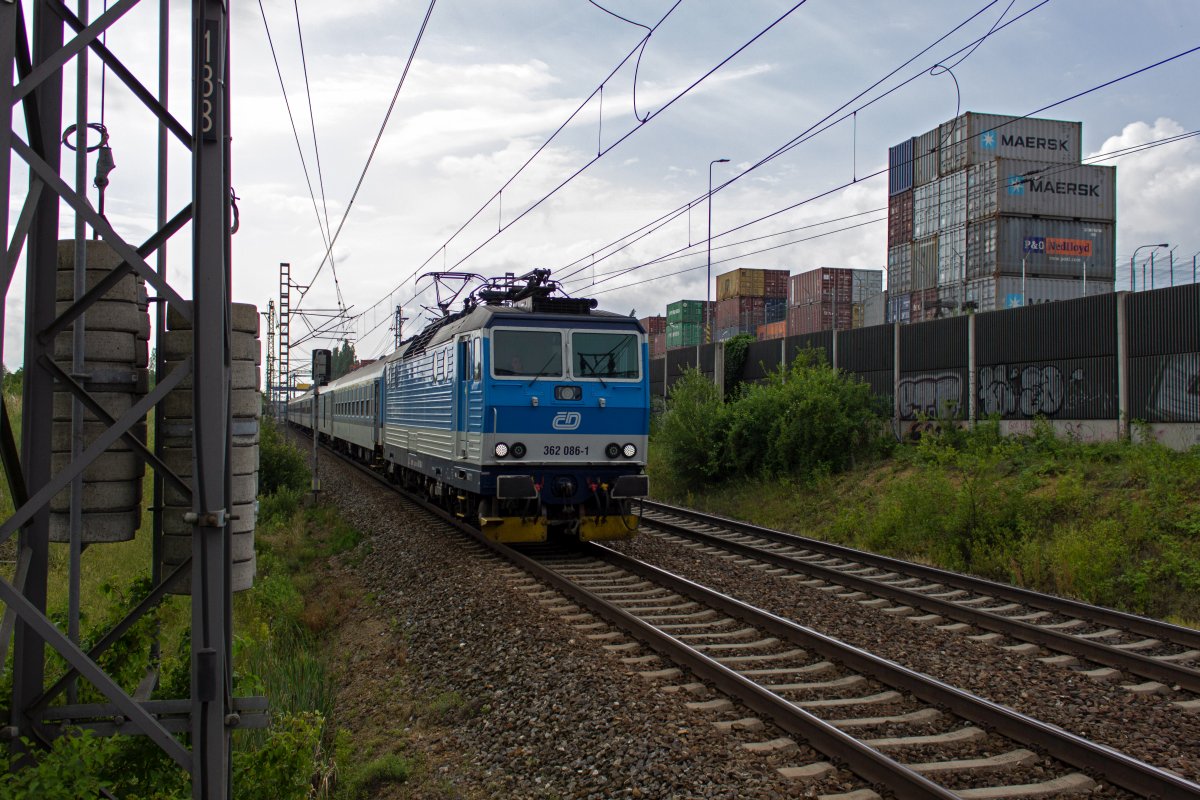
608	356
527	354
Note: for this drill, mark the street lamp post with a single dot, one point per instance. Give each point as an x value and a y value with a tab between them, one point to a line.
708	241
1132	258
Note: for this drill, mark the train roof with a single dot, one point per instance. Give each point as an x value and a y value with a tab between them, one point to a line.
485	316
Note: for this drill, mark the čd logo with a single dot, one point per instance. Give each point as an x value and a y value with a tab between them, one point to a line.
566	421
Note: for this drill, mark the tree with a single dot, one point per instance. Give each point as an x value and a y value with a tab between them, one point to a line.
343	360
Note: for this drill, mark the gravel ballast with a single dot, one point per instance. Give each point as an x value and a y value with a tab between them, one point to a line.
535	708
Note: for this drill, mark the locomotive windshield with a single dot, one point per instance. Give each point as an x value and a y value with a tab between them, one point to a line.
604	355
527	353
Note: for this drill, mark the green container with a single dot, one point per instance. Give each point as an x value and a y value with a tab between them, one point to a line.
686	311
684	334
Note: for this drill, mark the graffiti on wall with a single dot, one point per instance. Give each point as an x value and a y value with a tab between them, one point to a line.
1055	390
1175	392
1030	391
935	395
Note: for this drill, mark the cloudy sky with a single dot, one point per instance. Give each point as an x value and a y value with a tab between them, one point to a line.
494	79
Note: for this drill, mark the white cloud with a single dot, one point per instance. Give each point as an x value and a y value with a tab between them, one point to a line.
1158	190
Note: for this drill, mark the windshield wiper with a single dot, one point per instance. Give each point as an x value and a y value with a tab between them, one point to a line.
541	372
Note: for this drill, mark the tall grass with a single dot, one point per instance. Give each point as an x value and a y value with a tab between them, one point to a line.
1113	523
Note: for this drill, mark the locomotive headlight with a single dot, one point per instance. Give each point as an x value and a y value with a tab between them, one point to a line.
613	450
629	450
518	450
501	449
568	392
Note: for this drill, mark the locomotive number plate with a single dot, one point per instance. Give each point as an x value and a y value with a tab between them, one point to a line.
565	450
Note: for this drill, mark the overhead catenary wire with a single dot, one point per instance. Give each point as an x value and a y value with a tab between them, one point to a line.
374	146
296	136
883	171
495	196
572	176
995	28
825	123
1049	171
312	117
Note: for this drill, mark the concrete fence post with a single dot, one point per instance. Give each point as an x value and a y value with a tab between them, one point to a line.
719	369
1122	367
972	370
896	373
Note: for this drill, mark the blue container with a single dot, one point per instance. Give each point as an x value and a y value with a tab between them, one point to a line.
900	167
775	309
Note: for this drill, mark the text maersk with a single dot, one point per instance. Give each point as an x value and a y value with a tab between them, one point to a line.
1034	142
1017	183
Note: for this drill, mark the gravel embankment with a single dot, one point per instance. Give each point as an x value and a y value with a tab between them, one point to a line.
539	710
543	712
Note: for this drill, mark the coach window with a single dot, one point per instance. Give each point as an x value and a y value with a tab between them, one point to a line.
608	356
477	358
527	354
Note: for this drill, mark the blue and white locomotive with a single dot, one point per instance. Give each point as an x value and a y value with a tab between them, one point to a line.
527	412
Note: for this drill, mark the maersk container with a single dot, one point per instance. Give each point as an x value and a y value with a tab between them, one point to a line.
990	294
925	264
900	268
952	256
925	158
740	283
975	138
926	209
900	218
900	167
1031	188
952	200
1048	247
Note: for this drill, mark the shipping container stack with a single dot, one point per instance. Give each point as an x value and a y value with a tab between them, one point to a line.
685	323
982	200
748	299
828	298
656	334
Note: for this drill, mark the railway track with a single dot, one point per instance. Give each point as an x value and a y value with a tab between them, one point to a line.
1099	642
890	726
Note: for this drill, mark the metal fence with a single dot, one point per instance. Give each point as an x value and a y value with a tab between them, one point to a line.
1099	359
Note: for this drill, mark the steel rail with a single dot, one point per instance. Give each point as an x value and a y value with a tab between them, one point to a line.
1114	766
1144	666
861	759
1137	624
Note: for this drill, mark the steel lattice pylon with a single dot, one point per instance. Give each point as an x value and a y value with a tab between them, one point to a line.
31	77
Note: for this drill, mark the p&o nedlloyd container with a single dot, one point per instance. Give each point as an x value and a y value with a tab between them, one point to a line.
1057	248
973	138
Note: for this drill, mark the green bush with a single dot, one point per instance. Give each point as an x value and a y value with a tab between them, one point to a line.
281	465
805	421
69	770
692	429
